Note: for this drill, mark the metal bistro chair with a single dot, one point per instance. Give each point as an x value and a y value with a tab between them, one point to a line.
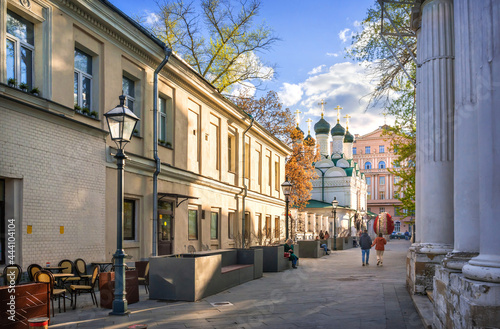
12	274
47	277
76	289
70	268
145	280
33	269
81	270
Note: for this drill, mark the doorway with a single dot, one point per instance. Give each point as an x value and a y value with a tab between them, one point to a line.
165	227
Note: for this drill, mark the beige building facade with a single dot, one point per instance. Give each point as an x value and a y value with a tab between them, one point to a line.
58	177
374	155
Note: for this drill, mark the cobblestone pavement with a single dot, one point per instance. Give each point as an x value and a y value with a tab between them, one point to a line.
331	292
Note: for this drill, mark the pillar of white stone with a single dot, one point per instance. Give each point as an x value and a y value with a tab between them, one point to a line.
486	266
466	173
435	137
324	144
337	146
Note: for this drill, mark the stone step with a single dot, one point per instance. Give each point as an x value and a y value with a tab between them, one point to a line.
429	294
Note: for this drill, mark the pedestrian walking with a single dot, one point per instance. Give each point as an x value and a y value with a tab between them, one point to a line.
379	244
366	243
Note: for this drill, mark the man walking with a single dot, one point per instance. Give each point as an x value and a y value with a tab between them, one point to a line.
366	243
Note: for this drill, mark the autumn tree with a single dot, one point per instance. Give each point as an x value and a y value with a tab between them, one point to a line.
268	111
299	169
220	39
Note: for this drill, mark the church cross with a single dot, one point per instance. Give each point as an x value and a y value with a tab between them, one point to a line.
338	108
347	116
309	126
322	103
297	118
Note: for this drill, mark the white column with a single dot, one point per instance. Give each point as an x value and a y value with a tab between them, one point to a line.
486	58
466	173
435	138
323	144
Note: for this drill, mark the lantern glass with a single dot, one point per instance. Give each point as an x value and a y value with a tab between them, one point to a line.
335	203
286	187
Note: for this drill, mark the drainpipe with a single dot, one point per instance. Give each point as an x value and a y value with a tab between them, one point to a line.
245	187
168	52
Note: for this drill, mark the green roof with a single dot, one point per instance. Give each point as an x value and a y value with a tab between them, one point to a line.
320	204
348	138
322	127
369	213
338	130
309	138
348	171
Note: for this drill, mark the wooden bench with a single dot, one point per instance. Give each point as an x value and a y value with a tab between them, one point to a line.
231	268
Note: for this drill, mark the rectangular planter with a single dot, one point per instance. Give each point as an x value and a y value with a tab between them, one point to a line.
107	288
311	249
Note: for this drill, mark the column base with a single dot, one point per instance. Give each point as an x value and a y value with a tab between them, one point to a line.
457	260
421	260
463	303
483	268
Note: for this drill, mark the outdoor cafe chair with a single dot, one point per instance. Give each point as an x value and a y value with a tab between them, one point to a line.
47	277
32	270
145	280
76	289
81	270
70	268
9	269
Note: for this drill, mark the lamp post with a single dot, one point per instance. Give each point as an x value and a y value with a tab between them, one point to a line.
335	203
287	188
121	123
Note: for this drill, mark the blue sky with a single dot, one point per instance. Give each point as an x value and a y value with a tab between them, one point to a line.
310	58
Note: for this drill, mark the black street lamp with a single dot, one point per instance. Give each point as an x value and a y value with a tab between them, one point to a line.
121	124
287	189
335	203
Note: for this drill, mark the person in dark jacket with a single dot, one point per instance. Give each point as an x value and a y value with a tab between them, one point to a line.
366	243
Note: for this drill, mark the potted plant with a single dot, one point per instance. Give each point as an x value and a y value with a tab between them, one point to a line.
12	82
78	109
23	86
94	114
169	145
86	111
35	91
161	142
136	132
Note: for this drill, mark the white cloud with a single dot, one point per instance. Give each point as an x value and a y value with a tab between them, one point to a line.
316	70
151	18
244	88
332	54
290	94
343	35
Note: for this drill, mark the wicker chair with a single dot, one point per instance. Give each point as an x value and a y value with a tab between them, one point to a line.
81	270
145	280
12	274
76	289
70	268
33	270
47	277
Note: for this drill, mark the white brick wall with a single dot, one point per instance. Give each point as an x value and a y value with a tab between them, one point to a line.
63	183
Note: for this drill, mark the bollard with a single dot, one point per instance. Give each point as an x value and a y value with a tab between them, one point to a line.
41	323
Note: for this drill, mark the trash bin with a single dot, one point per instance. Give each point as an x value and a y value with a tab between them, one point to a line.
42	323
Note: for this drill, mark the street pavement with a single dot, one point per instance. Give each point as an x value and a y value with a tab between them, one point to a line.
334	291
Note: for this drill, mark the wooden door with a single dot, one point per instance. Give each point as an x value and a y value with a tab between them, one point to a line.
165	227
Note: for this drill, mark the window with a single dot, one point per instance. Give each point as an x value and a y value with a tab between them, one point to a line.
397	226
270	171
247	160
129	219
368	165
247	225
381	180
382	209
381	195
381	165
396	180
128	88
231	153
165	121
214	224
367	150
230	225
20	48
354	151
381	149
368	180
83	80
268	227
277	175
193	224
260	229
368	195
277	231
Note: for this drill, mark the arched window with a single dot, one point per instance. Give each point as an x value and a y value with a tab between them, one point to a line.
368	165
381	165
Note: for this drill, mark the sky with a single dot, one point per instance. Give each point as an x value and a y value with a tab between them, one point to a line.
310	61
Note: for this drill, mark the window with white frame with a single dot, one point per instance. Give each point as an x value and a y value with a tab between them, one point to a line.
354	150
381	180
165	122
368	180
368	165
397	226
83	81
381	149
367	149
128	89
381	165
20	49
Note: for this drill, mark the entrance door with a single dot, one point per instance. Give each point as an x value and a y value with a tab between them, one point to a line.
165	227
